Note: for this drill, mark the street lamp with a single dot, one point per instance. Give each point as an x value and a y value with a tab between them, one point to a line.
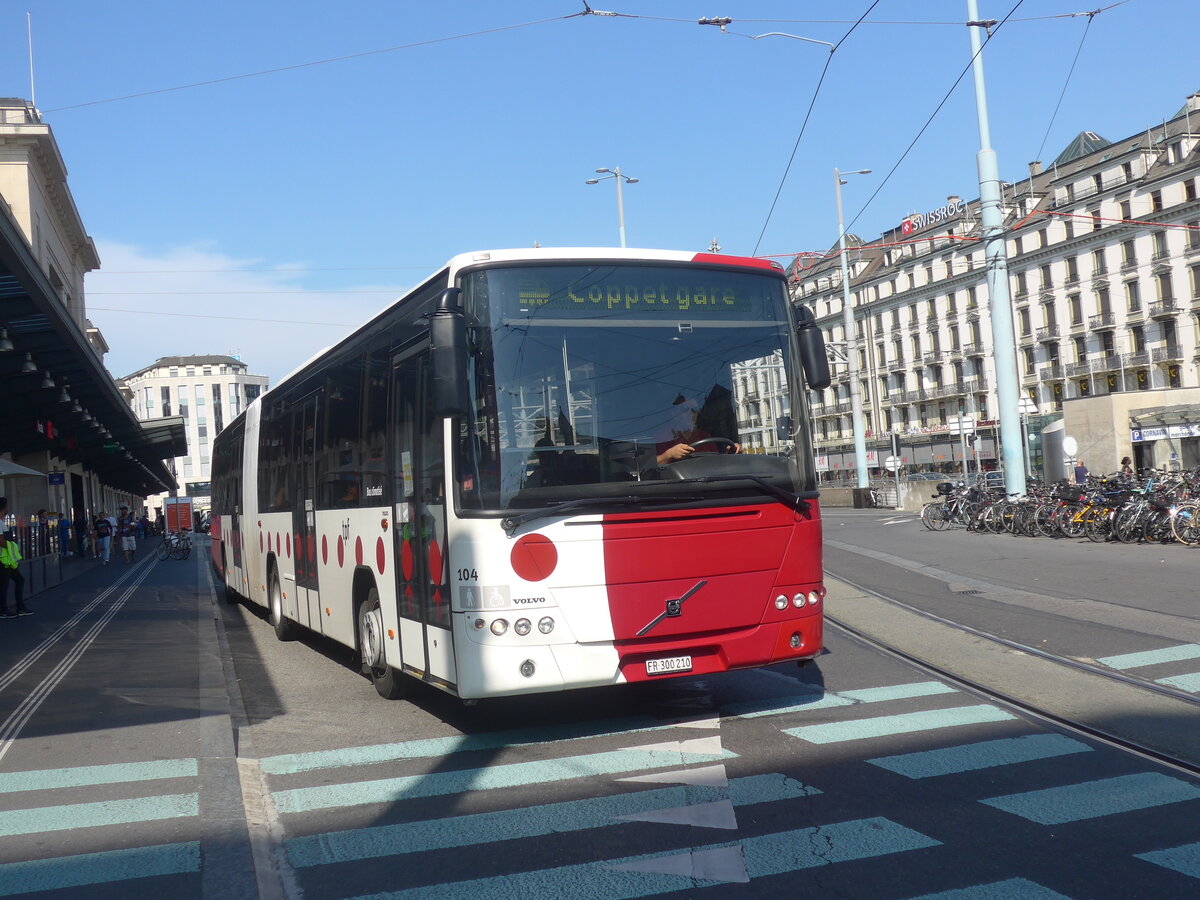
615	174
860	437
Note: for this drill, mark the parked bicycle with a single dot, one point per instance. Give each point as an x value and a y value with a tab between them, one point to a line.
175	544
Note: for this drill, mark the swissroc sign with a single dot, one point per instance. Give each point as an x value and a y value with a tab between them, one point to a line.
941	214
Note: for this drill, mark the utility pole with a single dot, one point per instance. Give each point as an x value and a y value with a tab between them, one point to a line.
996	259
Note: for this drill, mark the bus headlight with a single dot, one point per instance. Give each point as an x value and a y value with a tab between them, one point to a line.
479	623
781	602
528	668
813	598
545	625
522	627
798	600
499	626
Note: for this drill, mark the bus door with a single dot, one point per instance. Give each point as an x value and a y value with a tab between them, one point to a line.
419	489
304	434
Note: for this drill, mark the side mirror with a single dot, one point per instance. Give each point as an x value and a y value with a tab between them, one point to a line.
448	355
812	350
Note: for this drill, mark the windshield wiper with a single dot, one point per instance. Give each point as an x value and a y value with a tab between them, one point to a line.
798	502
512	523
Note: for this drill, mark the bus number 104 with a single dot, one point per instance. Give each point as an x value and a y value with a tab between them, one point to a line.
468	575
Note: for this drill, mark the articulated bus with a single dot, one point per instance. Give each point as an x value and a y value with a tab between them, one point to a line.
542	470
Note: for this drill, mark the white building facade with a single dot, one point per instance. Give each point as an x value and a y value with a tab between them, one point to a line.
208	392
1104	270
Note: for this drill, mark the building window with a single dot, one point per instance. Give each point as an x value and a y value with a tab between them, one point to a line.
1028	354
1189	189
191	371
1044	238
1103	301
166	401
1075	304
1193	235
1099	262
1022	289
1080	349
1195	275
1026	322
1156	202
1069	225
1128	254
1160	245
1072	269
1047	281
1163	282
1095	217
1137	335
1127	171
1133	296
1127	210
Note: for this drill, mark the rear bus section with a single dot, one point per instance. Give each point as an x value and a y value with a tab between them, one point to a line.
601	600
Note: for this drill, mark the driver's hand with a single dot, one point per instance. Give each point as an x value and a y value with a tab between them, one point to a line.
679	451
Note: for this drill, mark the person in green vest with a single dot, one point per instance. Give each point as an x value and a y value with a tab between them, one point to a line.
10	561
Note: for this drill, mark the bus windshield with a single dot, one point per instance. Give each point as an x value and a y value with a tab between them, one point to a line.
588	377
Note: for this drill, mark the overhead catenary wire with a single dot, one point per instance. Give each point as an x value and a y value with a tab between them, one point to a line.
991	32
804	124
317	62
1090	17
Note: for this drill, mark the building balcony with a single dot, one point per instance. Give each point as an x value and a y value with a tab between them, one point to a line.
933	357
973	349
914	325
1166	355
1102	322
1163	309
1049	333
1131	360
1050	372
1109	362
896	365
916	396
1083	367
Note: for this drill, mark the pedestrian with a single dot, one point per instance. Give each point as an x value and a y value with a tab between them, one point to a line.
127	529
104	528
64	534
1081	472
10	562
1126	467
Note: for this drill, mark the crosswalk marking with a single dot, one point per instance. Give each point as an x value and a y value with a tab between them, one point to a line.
92	815
1152	657
345	757
389	790
1009	889
772	854
1183	682
1093	799
85	869
114	773
906	723
981	755
552	818
819	698
1185	859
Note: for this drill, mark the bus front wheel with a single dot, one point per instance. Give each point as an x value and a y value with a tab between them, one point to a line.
389	682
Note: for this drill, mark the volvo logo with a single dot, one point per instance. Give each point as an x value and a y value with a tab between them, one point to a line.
673	610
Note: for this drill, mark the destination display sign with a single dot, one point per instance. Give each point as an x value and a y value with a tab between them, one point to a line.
636	296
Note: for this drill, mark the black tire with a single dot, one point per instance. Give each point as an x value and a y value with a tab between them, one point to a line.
230	595
285	628
390	683
164	550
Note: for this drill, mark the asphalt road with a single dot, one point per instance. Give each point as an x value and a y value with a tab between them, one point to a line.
157	741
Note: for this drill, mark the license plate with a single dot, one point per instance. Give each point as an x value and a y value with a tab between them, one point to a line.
671	664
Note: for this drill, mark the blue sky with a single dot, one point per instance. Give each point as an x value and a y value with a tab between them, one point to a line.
268	215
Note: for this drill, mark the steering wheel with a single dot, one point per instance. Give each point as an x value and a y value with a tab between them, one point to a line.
728	445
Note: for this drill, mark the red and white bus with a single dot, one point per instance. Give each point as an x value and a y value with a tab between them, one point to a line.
542	470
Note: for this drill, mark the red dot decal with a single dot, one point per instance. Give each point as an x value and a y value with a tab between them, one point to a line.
324	550
358	557
289	544
406	560
380	557
341	553
534	557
